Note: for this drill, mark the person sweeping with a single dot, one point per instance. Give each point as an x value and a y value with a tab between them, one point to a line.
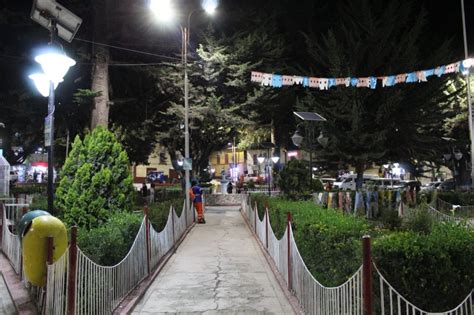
195	195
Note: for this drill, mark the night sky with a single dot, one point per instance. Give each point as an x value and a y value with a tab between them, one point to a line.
444	21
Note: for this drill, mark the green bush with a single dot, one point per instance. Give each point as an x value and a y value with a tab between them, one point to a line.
294	180
419	220
28	189
329	242
457	198
95	180
39	202
159	212
108	244
433	271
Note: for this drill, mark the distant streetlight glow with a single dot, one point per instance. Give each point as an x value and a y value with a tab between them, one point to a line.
162	9
209	6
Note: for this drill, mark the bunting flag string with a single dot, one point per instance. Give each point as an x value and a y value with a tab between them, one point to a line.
278	80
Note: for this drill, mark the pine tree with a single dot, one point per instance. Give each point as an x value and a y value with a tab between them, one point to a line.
95	180
222	100
400	123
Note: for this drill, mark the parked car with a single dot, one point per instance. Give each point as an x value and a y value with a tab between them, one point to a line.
448	184
349	183
385	183
431	186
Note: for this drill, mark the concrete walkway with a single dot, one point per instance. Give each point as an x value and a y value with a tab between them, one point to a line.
218	269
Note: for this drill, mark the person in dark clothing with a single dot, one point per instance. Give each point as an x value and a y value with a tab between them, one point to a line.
144	190
229	188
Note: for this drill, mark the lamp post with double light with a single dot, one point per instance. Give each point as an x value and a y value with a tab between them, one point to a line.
297	138
164	12
55	64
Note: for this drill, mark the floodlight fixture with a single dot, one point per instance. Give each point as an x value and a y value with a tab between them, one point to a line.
42	82
261	159
48	12
209	6
162	9
275	159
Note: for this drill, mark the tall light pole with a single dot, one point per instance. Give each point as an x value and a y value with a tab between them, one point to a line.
55	64
469	104
163	10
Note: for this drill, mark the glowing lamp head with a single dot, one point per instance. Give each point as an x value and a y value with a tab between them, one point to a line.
162	9
261	159
275	159
55	64
180	162
41	81
209	6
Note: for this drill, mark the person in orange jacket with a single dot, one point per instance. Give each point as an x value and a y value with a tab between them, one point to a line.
195	195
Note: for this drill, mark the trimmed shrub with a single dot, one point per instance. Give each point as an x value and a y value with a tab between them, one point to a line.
433	271
108	244
95	180
159	212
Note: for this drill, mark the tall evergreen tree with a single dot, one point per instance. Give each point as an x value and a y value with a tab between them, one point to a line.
400	123
221	98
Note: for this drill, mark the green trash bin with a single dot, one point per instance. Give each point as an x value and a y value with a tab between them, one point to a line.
26	220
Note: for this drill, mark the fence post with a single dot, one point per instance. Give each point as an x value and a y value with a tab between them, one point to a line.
1	218
172	224
71	278
255	218
147	239
289	248
266	227
366	276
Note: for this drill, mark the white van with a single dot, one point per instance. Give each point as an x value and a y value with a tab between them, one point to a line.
349	183
385	183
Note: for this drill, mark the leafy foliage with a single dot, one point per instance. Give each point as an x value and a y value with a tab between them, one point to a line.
95	180
433	271
109	243
294	180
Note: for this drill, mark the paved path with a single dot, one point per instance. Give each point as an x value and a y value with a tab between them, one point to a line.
218	269
6	303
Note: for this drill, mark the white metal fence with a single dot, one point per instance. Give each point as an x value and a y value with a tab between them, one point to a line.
393	303
313	297
100	289
11	246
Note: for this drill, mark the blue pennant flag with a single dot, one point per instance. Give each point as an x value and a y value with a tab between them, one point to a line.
277	80
305	81
331	82
372	82
390	80
440	71
429	73
354	81
411	77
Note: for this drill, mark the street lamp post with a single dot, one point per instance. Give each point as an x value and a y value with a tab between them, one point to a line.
55	65
163	6
469	104
298	139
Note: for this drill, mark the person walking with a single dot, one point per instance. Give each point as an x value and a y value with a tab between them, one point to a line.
195	194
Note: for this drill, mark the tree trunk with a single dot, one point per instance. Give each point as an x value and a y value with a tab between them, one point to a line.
100	68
